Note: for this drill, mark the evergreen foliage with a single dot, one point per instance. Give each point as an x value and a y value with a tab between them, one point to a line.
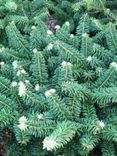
58	88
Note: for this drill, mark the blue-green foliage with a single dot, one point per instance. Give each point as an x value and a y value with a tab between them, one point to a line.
58	88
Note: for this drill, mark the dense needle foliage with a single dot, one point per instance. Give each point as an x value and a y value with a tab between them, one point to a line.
58	77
